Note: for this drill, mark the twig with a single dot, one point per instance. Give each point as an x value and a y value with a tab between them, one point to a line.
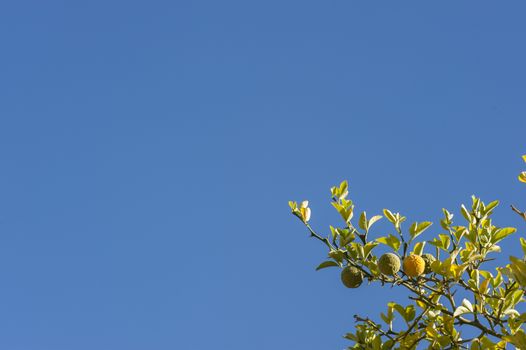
520	213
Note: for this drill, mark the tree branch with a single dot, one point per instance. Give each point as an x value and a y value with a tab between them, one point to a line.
520	213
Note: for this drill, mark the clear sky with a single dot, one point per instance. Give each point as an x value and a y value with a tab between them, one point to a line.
148	151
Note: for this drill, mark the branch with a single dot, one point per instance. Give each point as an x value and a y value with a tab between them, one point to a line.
314	234
413	325
375	326
520	213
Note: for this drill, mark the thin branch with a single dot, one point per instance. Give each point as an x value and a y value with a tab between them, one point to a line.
520	213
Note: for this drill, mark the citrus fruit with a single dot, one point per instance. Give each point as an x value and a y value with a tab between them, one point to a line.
414	265
351	277
389	264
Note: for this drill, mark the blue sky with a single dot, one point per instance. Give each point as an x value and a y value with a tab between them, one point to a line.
149	149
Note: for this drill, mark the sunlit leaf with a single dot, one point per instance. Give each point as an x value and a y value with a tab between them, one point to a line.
392	241
419	248
389	215
326	264
460	311
503	233
363	221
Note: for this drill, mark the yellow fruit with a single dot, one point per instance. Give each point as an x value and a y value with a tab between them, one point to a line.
428	259
389	264
414	265
351	277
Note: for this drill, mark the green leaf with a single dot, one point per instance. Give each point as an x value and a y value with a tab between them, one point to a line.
503	233
373	220
326	264
368	247
465	213
337	255
363	222
486	343
346	211
417	228
358	248
523	245
518	339
446	240
518	269
475	345
348	214
460	231
338	207
344	186
419	248
423	226
442	242
346	236
389	216
334	232
491	206
447	221
497	281
391	241
409	313
444	341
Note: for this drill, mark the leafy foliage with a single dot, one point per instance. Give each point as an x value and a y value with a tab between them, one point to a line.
457	259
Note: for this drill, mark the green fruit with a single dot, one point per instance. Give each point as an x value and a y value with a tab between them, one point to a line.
389	264
351	277
428	259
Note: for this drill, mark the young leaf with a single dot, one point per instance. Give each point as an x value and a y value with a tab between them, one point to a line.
503	233
399	308
326	264
389	216
368	247
460	311
344	186
467	304
337	255
392	241
446	240
518	339
409	313
419	248
373	220
417	228
523	245
518	269
363	222
465	213
491	206
423	226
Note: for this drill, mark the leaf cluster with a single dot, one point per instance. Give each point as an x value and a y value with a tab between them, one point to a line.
460	304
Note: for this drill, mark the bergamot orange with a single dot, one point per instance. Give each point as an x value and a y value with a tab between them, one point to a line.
414	265
389	264
351	277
